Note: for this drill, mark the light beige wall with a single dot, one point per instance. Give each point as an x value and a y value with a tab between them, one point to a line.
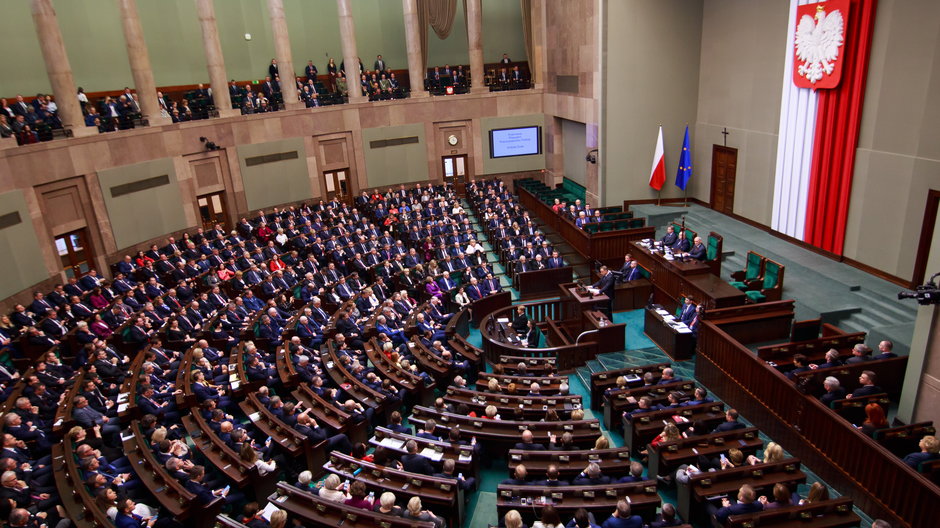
399	163
742	61
516	163
22	258
898	156
574	141
146	214
652	54
276	182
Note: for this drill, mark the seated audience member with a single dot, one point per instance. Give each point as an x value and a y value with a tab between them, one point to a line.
528	443
552	479
447	471
670	237
799	365
332	489
731	422
832	360
358	496
418	513
623	517
886	348
868	387
520	477
860	354
667	517
746	503
591	476
698	251
414	462
929	450
549	519
833	391
782	498
818	492
874	419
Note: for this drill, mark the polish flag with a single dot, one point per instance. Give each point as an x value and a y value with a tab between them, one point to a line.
658	172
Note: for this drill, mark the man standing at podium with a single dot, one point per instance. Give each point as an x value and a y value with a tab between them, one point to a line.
606	286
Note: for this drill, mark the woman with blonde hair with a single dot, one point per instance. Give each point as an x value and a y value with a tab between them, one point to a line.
278	519
577	414
602	443
331	489
414	511
670	433
513	519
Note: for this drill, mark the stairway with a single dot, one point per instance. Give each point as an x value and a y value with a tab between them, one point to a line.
630	358
498	272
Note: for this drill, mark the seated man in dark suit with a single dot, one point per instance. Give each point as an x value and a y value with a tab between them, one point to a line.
636	473
394	424
670	237
929	450
669	376
682	244
415	463
832	360
887	350
667	518
428	432
746	503
731	422
833	391
799	365
591	476
623	517
632	272
698	251
519	477
860	354
528	443
204	495
551	478
867	380
447	472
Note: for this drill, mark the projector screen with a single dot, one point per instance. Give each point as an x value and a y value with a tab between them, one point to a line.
509	142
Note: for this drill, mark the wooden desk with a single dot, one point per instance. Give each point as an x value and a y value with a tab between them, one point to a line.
641	429
599	500
321	512
574	304
762	477
613	462
673	279
607	379
668	456
541	283
675	344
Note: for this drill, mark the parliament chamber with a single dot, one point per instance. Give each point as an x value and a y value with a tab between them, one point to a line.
238	290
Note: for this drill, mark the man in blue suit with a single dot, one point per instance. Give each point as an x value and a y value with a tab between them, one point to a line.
746	503
606	286
682	244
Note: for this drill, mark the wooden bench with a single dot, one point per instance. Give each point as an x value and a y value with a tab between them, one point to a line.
291	440
905	439
762	477
641	429
889	376
833	513
666	457
315	511
78	502
601	381
621	400
530	407
534	365
613	462
599	500
169	492
462	455
440	495
814	349
501	435
548	385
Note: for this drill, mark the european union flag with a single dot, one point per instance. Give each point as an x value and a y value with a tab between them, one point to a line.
685	163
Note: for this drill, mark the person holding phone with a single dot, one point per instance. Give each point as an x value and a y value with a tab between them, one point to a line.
126	518
203	494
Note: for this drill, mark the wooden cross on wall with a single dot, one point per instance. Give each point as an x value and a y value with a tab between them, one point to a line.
725	133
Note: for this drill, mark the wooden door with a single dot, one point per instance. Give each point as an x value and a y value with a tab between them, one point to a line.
212	210
724	167
76	255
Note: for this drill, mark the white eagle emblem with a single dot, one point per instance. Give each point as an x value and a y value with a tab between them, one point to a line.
818	43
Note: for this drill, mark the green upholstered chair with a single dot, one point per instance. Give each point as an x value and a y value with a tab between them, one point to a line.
751	274
689	234
713	248
635	223
772	287
592	228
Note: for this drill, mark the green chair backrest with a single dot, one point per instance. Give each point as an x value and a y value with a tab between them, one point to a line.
771	272
644	272
681	304
711	250
591	228
753	266
636	222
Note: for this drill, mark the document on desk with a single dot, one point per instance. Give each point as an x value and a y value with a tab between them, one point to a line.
393	443
431	453
662	312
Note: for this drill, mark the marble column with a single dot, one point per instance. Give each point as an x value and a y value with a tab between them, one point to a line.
416	70
347	34
59	69
475	44
285	62
215	62
139	60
